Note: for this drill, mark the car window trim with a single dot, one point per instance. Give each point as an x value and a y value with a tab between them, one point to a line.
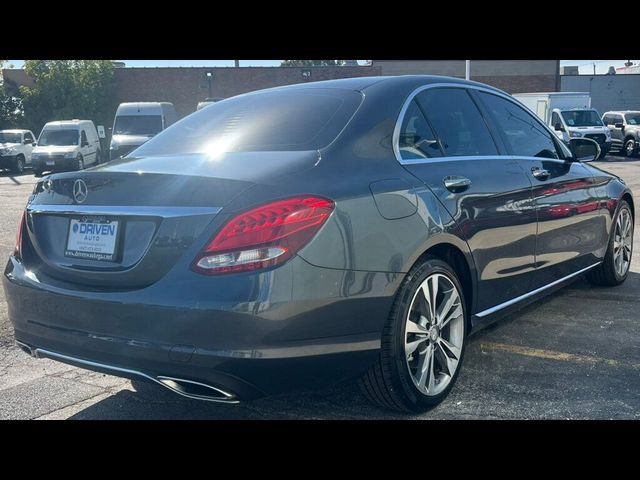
412	95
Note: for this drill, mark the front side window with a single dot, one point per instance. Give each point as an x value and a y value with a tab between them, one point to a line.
28	137
606	120
522	132
633	118
457	122
83	140
582	118
555	119
416	137
58	137
617	119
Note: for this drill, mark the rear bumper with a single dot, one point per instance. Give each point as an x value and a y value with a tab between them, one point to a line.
269	344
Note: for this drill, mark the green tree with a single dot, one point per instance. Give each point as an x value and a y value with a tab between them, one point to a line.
10	103
67	89
312	63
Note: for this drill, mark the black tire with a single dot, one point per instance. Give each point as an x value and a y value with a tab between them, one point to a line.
98	157
606	274
388	383
18	166
630	147
80	163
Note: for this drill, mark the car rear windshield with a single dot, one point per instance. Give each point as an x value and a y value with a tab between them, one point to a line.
633	119
582	118
58	137
301	119
138	125
9	137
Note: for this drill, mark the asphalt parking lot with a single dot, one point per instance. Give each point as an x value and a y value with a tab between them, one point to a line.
573	355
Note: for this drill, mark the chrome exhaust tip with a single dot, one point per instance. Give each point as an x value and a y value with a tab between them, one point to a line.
196	390
25	348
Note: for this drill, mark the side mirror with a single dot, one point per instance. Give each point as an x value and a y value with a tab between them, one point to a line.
584	149
559	127
620	125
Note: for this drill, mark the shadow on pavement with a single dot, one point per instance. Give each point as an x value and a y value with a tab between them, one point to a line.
15	178
153	402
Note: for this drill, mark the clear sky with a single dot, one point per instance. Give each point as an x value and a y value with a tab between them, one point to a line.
585	66
602	66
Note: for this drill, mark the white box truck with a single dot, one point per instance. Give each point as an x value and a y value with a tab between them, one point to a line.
569	115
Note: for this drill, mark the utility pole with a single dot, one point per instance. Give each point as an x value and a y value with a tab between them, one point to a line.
237	63
209	75
594	68
467	69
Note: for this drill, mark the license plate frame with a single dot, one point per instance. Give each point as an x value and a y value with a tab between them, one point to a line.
101	251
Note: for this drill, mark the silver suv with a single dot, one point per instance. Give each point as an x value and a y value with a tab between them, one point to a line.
625	130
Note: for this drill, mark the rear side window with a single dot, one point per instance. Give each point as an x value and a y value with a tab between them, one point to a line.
457	122
416	137
304	119
522	132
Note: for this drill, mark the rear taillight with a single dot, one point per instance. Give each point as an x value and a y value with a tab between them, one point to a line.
17	251
264	236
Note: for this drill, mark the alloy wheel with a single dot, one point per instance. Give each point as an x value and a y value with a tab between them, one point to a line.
629	148
434	334
623	242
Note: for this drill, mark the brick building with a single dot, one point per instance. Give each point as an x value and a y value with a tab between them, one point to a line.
513	76
185	87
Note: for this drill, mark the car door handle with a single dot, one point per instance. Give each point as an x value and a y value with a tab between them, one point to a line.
455	183
540	173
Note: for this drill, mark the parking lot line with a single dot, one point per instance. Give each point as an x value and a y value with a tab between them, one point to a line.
554	355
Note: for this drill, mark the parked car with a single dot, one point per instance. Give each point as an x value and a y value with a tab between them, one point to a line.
298	236
206	102
570	115
625	130
66	145
15	149
137	122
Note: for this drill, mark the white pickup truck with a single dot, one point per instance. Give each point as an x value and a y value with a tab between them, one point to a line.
15	149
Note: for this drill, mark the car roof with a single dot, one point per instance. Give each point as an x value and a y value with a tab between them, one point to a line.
15	130
395	84
67	123
622	111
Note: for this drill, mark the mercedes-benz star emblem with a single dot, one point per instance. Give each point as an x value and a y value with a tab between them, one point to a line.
80	191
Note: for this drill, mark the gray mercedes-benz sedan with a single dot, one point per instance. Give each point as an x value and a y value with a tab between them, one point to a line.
299	236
